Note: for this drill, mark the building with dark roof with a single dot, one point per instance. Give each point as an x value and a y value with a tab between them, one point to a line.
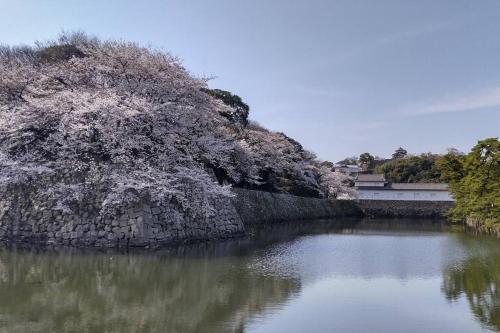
347	169
376	187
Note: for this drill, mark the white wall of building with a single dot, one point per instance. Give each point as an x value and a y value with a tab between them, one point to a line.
372	184
409	195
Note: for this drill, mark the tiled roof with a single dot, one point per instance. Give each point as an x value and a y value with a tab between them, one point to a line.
351	166
370	178
419	186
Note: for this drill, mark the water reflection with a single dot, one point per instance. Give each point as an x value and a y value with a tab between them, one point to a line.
199	288
478	278
317	274
60	293
368	250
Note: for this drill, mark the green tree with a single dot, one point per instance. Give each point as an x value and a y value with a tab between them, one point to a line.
241	109
415	169
474	181
366	161
451	166
399	153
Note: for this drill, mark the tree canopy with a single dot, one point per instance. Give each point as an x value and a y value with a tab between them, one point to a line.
474	181
366	161
240	109
414	169
399	153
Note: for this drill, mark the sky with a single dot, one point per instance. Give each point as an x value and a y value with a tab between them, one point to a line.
343	77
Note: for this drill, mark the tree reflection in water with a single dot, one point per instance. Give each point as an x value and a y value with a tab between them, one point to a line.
217	288
132	293
186	289
478	278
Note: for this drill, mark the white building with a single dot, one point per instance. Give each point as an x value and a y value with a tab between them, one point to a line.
375	187
347	169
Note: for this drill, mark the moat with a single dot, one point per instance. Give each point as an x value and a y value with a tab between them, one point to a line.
361	276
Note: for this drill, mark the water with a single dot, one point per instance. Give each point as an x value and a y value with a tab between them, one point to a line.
317	277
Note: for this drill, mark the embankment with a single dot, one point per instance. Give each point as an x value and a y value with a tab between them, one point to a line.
410	209
147	224
257	207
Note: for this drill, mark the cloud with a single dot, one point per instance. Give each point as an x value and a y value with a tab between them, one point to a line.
414	32
486	98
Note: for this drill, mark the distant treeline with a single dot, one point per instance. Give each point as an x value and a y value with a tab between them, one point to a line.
402	167
473	178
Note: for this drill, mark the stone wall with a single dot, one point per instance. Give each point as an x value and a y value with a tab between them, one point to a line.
257	207
23	219
400	208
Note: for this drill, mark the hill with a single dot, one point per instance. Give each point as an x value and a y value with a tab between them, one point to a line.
412	169
80	115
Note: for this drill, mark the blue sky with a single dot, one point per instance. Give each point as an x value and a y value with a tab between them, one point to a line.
341	76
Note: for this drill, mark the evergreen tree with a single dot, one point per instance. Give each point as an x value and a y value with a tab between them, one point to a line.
366	161
474	181
399	153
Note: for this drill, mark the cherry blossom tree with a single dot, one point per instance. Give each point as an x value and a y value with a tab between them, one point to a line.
132	120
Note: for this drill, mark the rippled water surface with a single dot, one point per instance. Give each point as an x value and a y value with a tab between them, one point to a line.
375	276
